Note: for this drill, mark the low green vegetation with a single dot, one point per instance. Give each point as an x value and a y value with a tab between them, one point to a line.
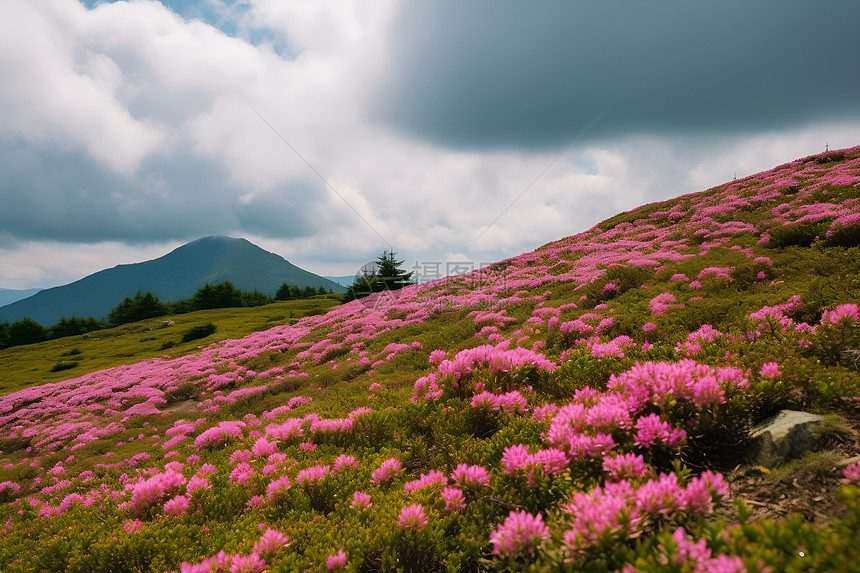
146	305
53	360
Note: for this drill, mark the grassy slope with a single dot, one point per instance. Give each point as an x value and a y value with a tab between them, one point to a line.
29	365
639	252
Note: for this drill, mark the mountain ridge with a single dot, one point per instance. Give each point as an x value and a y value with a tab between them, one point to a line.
8	295
175	275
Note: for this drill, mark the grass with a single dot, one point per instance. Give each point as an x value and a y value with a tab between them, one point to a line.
64	358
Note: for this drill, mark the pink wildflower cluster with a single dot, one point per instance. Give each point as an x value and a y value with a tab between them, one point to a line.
457	372
292	404
697	556
520	533
852	472
269	545
470	476
412	517
619	511
219	435
847	313
433	480
454	498
695	340
437	356
588	323
361	500
387	471
147	493
625	466
176	506
517	461
658	382
662	303
337	561
613	348
278	489
312	475
769	370
510	403
716	272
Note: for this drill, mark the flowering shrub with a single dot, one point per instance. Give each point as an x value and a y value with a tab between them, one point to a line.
387	471
412	517
520	533
535	399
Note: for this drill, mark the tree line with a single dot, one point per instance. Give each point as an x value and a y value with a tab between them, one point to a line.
146	305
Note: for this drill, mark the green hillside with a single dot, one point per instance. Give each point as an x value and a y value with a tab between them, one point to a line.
583	407
56	360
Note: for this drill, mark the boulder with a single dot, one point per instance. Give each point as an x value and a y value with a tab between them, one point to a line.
786	435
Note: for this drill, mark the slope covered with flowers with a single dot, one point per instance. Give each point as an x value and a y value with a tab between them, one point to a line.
569	408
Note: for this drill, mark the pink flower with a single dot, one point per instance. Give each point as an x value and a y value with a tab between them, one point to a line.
433	479
454	499
361	500
515	458
649	327
132	526
313	474
337	561
263	447
852	472
344	462
252	563
412	517
271	543
277	489
651	429
625	466
386	472
437	356
689	551
770	370
176	506
470	476
307	446
256	502
512	403
844	312
521	532
662	302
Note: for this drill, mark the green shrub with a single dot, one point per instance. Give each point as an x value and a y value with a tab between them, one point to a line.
797	234
60	366
198	332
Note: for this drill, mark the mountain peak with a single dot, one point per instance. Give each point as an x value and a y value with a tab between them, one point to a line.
176	275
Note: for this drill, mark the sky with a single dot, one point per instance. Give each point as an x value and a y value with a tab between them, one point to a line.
457	133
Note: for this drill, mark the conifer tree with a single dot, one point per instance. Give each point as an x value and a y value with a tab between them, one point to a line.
384	274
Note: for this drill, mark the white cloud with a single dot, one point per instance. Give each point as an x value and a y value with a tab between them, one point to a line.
56	90
129	83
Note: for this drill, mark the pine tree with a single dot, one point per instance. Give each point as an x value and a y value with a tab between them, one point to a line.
389	274
384	274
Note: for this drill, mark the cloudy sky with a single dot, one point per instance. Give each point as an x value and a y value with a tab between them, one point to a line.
327	130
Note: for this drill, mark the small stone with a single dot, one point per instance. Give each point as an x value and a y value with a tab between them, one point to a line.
786	435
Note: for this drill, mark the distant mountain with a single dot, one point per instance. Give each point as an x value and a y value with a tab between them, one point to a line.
8	296
176	275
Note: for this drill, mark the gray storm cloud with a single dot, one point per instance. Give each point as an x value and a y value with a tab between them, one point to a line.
48	193
486	73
